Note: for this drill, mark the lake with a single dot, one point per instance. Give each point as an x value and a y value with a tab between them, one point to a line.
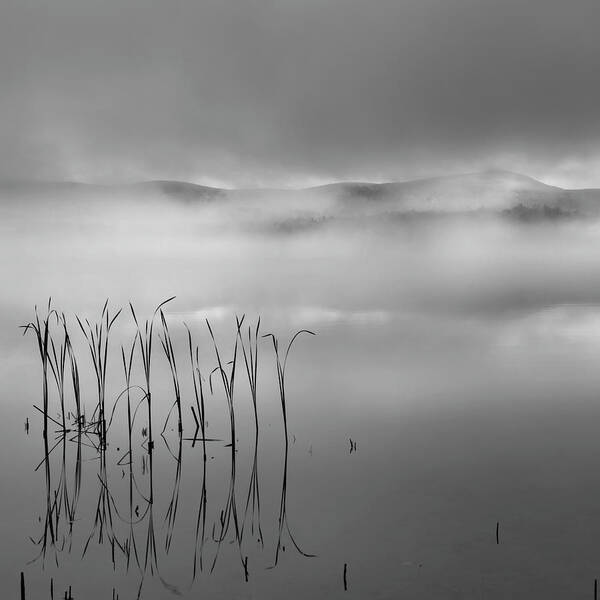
442	422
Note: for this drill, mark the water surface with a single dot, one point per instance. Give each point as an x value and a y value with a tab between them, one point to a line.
460	356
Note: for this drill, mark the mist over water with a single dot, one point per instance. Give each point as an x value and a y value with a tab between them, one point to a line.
459	353
371	230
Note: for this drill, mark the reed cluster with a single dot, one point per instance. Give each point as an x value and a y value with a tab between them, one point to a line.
61	363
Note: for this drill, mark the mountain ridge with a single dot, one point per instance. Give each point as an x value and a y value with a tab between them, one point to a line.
167	183
491	190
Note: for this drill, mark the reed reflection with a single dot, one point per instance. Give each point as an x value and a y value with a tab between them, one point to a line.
121	518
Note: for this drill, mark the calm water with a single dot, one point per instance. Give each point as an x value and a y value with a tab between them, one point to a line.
460	357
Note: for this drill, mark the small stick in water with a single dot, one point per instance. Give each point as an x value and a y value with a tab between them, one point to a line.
497	532
345	577
22	585
595	589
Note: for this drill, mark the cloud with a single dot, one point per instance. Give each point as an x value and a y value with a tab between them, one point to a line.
258	92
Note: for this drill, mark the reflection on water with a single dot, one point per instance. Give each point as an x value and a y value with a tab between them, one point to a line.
128	522
453	386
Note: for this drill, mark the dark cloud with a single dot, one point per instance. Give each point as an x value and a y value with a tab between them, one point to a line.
274	91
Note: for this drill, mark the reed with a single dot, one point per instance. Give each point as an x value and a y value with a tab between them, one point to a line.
281	366
74	369
281	369
197	379
145	346
229	514
250	354
167	345
227	380
127	358
97	337
41	329
58	356
198	387
58	363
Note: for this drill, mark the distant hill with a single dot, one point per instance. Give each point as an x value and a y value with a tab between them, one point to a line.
495	191
490	190
181	190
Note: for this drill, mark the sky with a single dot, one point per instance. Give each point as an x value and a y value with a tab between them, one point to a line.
252	93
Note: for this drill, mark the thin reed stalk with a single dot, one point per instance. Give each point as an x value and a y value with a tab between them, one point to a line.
145	346
229	513
198	387
281	368
130	543
228	380
74	375
41	329
250	354
57	363
97	337
167	345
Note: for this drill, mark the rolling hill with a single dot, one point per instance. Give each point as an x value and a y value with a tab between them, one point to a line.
493	191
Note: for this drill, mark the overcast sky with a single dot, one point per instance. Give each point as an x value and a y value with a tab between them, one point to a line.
293	92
